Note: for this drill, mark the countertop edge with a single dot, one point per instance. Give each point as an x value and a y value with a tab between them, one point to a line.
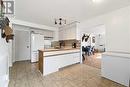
52	50
117	54
61	54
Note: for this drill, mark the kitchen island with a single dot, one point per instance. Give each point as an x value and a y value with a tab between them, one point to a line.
116	67
51	60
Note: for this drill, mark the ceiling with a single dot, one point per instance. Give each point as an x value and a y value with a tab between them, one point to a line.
44	11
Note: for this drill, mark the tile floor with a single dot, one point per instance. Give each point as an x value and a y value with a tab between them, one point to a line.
25	74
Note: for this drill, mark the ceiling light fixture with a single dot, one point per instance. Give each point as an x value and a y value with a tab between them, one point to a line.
60	21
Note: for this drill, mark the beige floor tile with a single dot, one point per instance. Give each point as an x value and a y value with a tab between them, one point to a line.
26	74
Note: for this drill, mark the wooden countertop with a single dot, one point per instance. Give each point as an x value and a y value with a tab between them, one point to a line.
55	52
62	49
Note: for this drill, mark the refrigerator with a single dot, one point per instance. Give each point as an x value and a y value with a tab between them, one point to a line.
37	42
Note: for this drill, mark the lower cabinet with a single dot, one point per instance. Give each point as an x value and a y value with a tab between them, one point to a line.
69	59
51	64
77	58
116	69
54	63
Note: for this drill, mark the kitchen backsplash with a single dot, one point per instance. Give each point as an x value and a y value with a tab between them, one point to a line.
67	43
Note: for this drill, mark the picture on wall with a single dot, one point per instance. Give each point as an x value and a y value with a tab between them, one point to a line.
85	37
93	39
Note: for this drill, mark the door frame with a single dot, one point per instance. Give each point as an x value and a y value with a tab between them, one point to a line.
82	32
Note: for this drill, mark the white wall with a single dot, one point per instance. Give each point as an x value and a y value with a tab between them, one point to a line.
4	64
117	24
99	29
26	26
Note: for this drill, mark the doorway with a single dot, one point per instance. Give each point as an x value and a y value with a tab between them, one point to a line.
22	45
93	45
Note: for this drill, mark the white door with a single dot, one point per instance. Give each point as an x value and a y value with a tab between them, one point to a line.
22	45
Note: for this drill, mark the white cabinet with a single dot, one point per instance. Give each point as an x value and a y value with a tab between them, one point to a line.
61	36
72	33
51	65
76	57
69	59
116	68
48	33
54	63
68	32
64	60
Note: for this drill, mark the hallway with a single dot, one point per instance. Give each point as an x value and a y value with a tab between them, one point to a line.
25	74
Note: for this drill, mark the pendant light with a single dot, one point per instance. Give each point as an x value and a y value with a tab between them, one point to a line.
60	21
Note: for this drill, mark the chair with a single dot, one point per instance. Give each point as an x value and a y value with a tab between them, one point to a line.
93	50
83	51
88	50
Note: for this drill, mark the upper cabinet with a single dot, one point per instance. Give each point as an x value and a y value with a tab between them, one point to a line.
68	32
48	33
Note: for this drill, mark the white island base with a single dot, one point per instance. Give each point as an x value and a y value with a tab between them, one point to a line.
54	60
116	67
